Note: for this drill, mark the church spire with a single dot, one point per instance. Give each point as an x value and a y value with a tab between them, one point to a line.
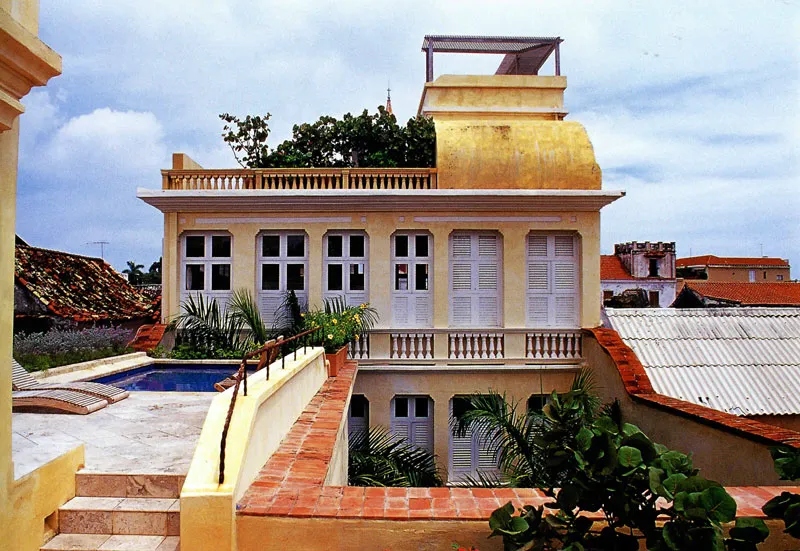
388	98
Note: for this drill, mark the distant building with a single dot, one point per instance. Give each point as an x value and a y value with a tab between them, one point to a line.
742	269
704	294
647	266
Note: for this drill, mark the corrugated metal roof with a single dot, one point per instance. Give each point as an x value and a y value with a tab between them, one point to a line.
744	361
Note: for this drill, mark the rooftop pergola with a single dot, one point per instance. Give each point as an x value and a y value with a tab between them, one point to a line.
524	55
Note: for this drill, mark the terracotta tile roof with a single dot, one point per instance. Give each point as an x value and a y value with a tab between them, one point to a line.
78	287
749	294
611	267
711	260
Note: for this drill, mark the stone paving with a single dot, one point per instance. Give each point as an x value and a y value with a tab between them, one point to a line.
148	432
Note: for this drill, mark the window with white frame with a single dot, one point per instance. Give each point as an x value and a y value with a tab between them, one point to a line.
282	266
552	281
412	420
206	260
468	455
412	278
475	279
345	258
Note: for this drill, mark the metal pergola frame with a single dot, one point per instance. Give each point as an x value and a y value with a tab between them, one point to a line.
455	44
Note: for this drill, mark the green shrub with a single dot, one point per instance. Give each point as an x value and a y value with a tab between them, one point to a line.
68	345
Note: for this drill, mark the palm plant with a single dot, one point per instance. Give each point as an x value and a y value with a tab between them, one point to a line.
134	272
524	442
244	311
379	458
368	316
206	328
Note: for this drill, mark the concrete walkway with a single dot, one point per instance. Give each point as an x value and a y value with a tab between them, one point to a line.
148	432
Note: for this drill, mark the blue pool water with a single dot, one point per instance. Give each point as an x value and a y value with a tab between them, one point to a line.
174	378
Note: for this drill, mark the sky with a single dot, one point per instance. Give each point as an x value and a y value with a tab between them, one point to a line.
693	108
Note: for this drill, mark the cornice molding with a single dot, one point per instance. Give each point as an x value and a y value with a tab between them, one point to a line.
296	201
25	62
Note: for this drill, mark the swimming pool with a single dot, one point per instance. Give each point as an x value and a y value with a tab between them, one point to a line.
171	378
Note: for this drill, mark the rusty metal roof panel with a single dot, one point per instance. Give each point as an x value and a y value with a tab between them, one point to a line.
744	361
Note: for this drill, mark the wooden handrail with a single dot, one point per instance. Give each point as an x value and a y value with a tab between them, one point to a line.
241	376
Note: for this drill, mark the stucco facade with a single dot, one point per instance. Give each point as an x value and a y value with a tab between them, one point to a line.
516	193
26	62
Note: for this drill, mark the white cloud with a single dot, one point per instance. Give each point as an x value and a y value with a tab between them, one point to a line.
691	107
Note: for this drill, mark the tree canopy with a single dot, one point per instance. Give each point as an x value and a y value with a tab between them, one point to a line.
365	140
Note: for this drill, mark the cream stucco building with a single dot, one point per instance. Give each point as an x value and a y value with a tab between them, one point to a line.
483	269
25	62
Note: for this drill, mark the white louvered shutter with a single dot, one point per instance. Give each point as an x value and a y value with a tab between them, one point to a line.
552	281
422	310
460	457
412	307
475	280
401	428
399	310
421	433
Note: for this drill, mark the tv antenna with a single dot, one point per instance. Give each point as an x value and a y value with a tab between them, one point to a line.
102	247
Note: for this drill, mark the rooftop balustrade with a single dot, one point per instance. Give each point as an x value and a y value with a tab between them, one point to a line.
300	179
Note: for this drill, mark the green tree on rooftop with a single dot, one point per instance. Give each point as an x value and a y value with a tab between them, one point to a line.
365	140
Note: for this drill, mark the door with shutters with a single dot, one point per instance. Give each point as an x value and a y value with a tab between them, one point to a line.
412	278
475	279
468	453
345	267
553	294
412	419
358	416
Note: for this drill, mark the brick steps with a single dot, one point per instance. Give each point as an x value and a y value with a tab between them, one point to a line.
120	511
148	336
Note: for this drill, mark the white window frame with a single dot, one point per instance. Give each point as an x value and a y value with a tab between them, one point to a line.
412	307
548	292
480	300
416	430
351	297
207	261
270	300
470	445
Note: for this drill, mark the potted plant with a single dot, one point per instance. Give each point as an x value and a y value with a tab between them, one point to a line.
341	325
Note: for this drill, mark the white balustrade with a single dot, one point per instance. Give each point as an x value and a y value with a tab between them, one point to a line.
482	346
359	349
556	345
411	346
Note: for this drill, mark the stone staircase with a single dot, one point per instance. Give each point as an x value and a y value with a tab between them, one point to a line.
116	512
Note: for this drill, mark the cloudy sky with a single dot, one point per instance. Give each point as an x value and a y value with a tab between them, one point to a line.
693	107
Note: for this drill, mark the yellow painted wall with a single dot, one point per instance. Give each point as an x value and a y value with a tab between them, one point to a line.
743	274
408	535
380	227
37	496
505	131
379	386
260	421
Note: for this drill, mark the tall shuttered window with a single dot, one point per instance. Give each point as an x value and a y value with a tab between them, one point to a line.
282	266
475	279
345	258
206	260
468	453
412	419
412	280
552	281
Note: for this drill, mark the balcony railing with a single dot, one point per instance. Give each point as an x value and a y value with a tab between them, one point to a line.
465	346
300	179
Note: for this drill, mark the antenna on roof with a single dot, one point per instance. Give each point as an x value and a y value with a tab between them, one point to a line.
102	247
